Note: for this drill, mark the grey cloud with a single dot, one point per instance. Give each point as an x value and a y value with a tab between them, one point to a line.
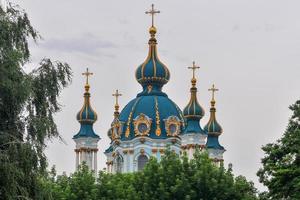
86	44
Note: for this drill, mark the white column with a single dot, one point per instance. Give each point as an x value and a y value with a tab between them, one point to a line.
77	160
130	162
89	155
125	163
95	162
81	157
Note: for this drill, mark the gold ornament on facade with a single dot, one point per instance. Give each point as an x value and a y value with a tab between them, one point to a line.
158	130
172	126
154	150
149	88
142	125
131	151
127	132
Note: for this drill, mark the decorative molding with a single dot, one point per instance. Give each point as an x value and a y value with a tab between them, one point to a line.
172	126
142	151
154	150
142	140
142	125
131	151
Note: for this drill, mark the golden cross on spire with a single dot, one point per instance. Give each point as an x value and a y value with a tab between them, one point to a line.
152	12
213	90
194	67
117	95
87	74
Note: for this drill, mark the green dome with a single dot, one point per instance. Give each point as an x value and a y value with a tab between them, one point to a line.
213	126
152	71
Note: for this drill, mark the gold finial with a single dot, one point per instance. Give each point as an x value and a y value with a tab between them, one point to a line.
87	74
117	95
213	90
152	12
193	68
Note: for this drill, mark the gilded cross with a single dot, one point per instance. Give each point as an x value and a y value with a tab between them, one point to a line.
117	95
87	74
213	90
194	67
152	12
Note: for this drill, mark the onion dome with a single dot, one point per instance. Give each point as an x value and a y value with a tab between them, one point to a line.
213	128
86	116
193	112
151	114
152	74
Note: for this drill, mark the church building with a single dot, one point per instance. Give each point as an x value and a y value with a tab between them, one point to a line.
149	123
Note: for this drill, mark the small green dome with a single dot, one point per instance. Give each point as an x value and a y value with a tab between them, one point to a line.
86	117
86	114
193	109
213	126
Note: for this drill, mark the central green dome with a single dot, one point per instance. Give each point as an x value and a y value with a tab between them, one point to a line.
151	113
152	71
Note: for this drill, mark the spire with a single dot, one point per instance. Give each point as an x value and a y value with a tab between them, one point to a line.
117	95
213	128
152	74
86	116
115	129
193	112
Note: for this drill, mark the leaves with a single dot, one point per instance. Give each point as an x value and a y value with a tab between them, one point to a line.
173	177
28	102
281	164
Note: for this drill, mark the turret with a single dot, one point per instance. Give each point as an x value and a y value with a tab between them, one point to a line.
193	135
114	133
214	130
86	139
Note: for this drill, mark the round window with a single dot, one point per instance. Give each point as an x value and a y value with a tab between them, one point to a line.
142	127
173	128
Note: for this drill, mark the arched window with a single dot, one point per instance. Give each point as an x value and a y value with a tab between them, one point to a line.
119	164
142	161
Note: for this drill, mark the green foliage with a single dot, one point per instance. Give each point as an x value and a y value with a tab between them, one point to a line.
28	102
281	164
171	178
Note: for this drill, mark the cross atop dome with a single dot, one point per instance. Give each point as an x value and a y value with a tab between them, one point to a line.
117	95
152	12
213	90
87	74
194	67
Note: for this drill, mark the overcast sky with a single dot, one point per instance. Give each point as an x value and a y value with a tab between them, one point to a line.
249	48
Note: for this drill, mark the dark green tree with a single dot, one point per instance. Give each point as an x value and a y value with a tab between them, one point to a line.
281	165
28	102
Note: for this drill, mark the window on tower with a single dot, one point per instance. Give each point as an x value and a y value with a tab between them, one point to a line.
142	161
119	164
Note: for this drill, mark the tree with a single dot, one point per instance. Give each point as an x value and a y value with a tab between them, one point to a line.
28	102
176	177
281	165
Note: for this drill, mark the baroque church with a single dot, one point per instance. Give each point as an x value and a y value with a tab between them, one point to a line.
149	123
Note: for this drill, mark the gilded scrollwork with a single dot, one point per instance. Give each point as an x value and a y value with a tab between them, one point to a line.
116	129
142	125
172	126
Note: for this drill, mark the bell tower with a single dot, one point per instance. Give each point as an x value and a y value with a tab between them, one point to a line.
86	139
